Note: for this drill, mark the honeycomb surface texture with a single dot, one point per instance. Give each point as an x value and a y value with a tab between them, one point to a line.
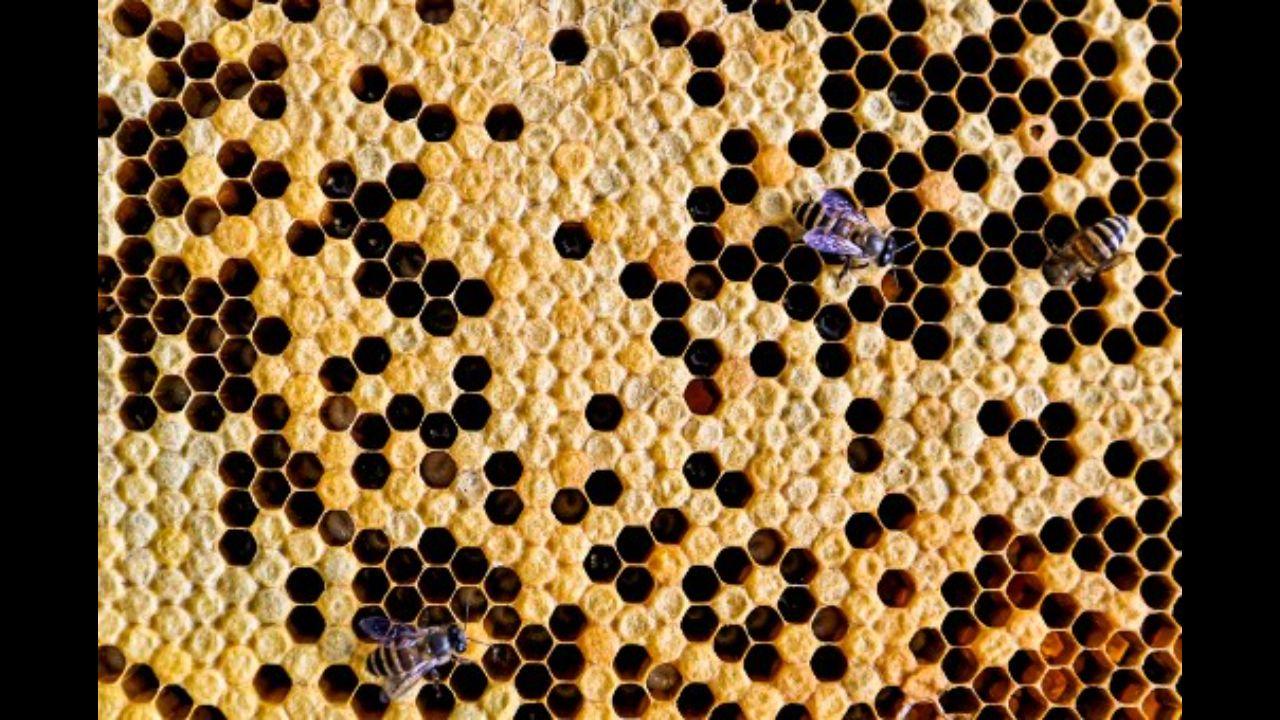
496	313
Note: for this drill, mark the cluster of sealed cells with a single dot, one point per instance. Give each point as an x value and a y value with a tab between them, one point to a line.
1083	668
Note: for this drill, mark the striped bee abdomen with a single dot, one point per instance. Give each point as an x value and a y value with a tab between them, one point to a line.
808	214
387	661
1100	242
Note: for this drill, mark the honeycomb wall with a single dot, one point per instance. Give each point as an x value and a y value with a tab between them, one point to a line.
494	313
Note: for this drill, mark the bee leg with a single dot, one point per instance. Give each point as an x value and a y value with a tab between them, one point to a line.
848	265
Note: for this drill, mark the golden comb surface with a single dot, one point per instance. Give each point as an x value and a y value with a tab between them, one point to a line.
494	312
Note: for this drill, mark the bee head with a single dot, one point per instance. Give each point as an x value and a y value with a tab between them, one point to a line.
458	638
888	245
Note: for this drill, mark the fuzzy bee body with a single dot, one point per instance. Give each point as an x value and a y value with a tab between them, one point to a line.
834	226
407	653
1088	252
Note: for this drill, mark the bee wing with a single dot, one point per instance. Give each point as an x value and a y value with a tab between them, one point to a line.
1114	261
386	632
831	243
836	204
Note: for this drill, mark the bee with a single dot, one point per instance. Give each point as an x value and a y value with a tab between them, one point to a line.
407	653
835	227
1088	252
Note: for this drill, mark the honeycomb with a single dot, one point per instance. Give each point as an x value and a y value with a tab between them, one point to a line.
495	313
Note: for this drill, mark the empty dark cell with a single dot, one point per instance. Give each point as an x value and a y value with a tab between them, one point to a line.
603	487
734	489
165	78
896	588
703	357
436	545
134	216
1099	99
863	530
1119	346
906	170
768	359
134	177
204	297
403	603
634	584
1005	115
306	624
405	181
927	645
974	54
771	14
174	702
504	123
566	662
801	302
133	137
1007	75
806	148
1030	213
1163	62
569	46
699	622
337	180
960	627
704	243
670	338
941	73
438	469
136	335
270	490
368	83
270	179
670	29
996	305
268	101
171	393
839	91
405	298
140	683
897	511
797	604
270	450
971	173
959	589
769	283
1030	251
739	186
704	282
638	280
304	469
503	507
569	506
631	662
238	356
437	123
439	317
438	430
865	455
370	431
871	189
833	360
237	547
766	546
1038	17
762	662
200	60
604	412
903	209
371	240
931	342
1026	438
1156	178
165	39
339	219
136	296
233	9
898	323
907	92
803	264
1037	95
965	248
833	322
874	71
236	197
406	260
1096	138
402	103
233	81
737	262
1153	478
572	241
1155	554
1153	516
237	508
1058	457
908	52
1089	553
534	642
629	700
338	375
373	200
